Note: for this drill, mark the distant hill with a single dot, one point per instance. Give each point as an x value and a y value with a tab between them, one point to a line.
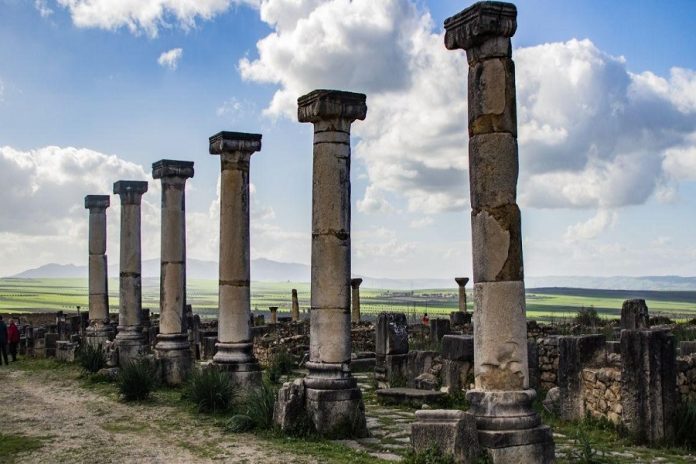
266	270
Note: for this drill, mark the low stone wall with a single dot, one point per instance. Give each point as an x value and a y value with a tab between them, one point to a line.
686	377
601	393
547	349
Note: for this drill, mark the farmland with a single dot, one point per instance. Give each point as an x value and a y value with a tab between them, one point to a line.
34	295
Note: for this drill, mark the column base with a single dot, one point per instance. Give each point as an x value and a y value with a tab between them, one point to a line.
98	336
174	359
237	359
131	344
452	431
509	430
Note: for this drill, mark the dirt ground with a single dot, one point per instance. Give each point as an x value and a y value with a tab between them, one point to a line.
80	425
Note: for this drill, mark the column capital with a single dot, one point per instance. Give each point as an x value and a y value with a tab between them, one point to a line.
355	283
130	191
462	281
479	23
229	142
321	105
97	202
172	168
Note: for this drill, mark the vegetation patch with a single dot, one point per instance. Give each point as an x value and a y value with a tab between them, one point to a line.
91	358
210	390
137	380
12	445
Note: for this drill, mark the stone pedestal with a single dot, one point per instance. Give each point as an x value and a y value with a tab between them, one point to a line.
235	352
355	299
173	351
295	312
508	427
274	314
634	315
451	430
99	330
129	337
333	399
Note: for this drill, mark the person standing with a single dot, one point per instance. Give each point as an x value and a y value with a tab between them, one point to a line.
3	341
13	339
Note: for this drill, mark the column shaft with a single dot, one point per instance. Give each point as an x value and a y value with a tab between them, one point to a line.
295	314
97	331
355	300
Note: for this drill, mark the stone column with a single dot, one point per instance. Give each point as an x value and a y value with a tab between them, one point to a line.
235	347
295	314
355	299
99	329
129	339
502	401
274	314
173	350
462	281
334	401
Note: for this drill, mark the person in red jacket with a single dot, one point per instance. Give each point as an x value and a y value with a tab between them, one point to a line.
13	339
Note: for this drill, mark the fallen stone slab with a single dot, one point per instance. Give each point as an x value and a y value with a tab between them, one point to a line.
409	396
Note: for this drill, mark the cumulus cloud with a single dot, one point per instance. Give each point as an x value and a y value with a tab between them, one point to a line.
145	15
592	227
592	134
43	8
170	59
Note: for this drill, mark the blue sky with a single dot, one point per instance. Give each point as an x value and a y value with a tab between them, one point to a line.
606	104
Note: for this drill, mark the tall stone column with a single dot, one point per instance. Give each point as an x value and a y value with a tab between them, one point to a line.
235	347
502	401
334	401
99	330
295	312
173	350
462	281
129	339
355	299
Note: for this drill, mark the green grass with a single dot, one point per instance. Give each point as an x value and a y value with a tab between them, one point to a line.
33	295
13	445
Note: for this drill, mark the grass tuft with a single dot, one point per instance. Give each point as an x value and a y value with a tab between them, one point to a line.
91	358
137	380
210	390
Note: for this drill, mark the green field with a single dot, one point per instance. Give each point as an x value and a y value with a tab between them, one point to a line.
33	295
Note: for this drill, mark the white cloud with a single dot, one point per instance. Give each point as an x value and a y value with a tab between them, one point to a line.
43	8
592	227
145	15
374	202
170	59
424	221
680	162
2	91
592	135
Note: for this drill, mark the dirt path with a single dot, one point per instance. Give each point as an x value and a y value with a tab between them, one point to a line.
79	425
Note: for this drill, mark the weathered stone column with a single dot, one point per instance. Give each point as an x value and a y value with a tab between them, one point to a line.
462	281
355	299
334	401
235	347
99	330
274	314
129	339
295	314
173	350
502	402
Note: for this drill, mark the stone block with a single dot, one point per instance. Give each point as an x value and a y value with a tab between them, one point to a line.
494	167
458	347
391	334
457	375
453	432
438	329
492	102
460	318
687	347
533	363
575	354
289	411
497	244
413	397
65	351
337	413
634	315
51	339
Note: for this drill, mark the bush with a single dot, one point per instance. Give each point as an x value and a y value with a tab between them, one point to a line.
91	358
587	317
582	452
137	380
432	455
685	424
281	363
258	405
210	389
240	423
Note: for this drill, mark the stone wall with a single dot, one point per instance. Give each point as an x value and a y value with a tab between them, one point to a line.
686	377
547	349
601	392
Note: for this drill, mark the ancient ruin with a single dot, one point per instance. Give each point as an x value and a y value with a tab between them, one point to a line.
129	338
99	329
234	347
355	299
172	348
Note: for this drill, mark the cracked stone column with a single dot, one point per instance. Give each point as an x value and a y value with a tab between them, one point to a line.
355	299
129	338
502	401
334	401
235	352
172	349
99	330
295	314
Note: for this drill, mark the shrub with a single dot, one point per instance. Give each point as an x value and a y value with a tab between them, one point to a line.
431	455
137	380
258	405
583	452
210	389
587	316
91	358
240	423
685	424
281	363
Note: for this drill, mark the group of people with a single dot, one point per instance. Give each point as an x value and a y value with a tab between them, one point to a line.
9	336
